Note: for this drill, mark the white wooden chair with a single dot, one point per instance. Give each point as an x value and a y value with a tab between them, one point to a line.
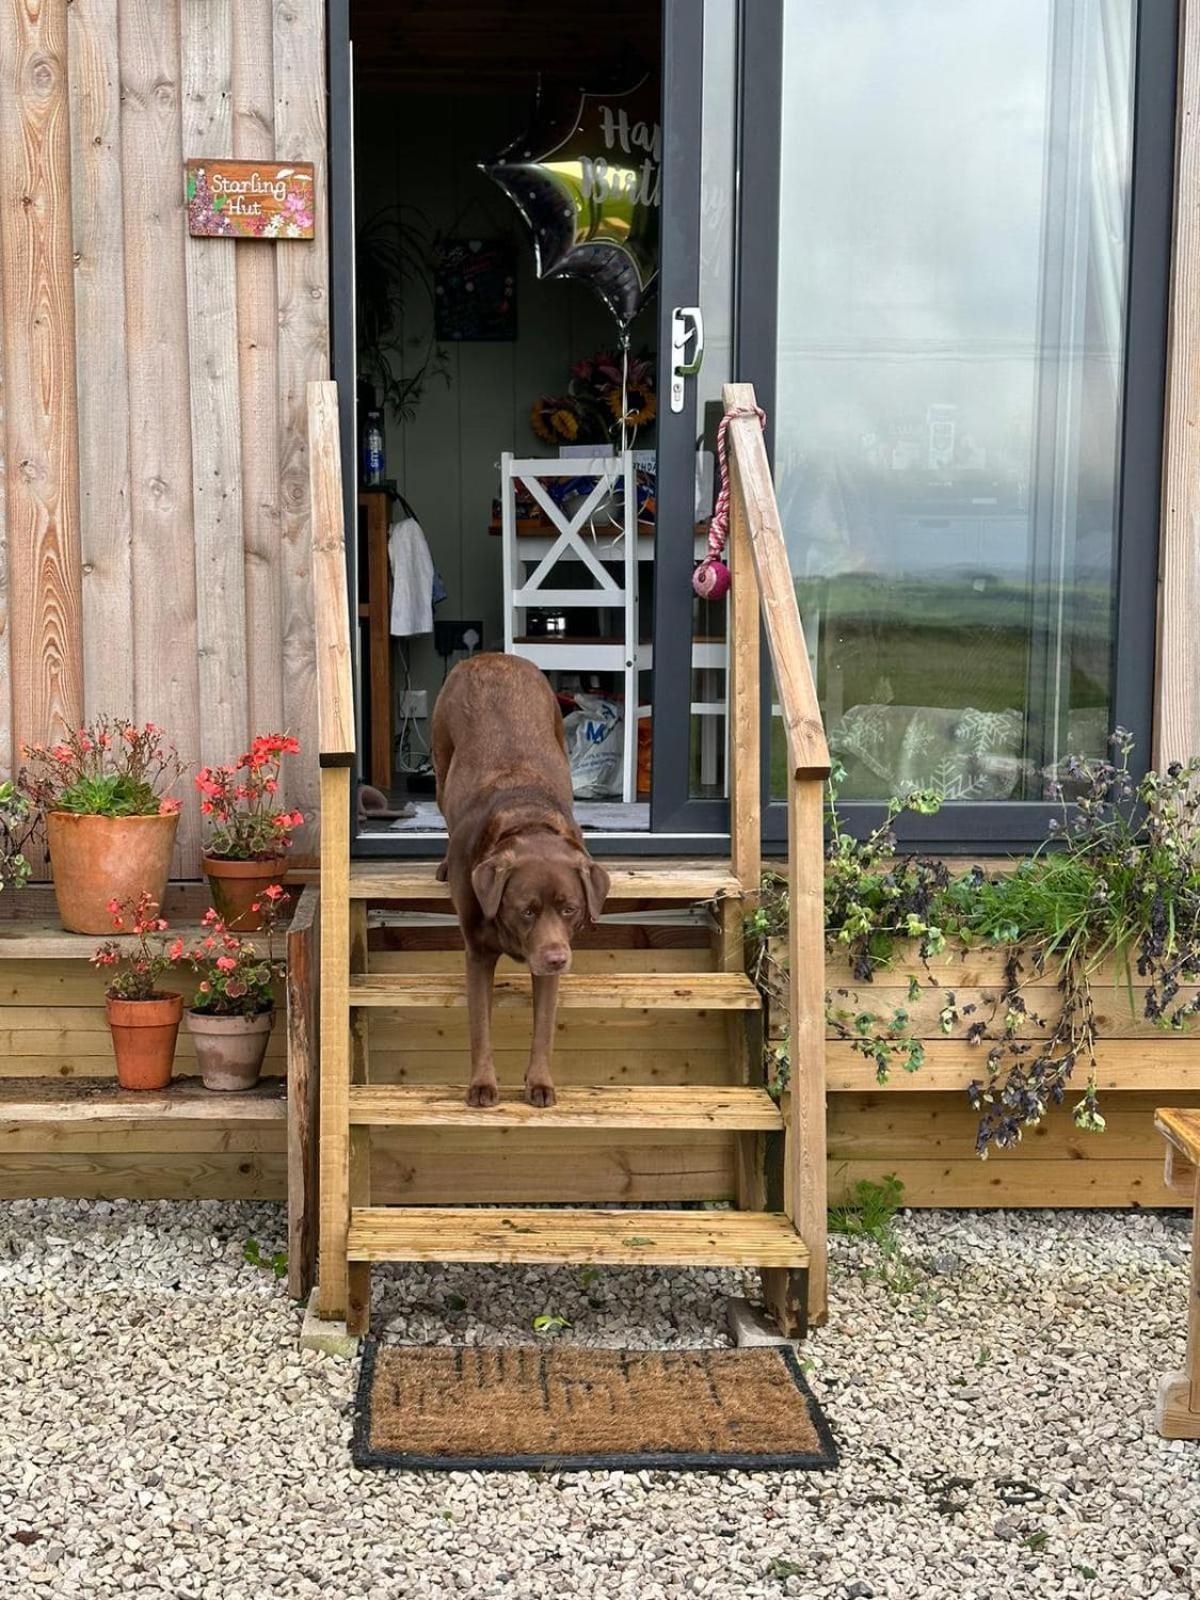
588	547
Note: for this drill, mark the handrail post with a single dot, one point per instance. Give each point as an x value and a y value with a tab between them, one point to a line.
755	513
745	702
807	1181
335	721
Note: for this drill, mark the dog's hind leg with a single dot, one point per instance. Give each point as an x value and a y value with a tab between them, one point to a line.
539	1090
483	1089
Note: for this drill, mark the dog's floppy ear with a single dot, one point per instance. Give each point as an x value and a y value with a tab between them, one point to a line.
488	880
595	887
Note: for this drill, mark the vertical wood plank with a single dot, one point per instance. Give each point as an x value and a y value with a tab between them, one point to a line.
303	355
6	745
303	1091
1177	688
166	681
807	1189
41	439
358	1308
97	191
335	1042
206	45
258	371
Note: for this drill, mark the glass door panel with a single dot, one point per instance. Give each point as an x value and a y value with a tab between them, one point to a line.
954	236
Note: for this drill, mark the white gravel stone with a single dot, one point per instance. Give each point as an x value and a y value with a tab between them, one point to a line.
162	1435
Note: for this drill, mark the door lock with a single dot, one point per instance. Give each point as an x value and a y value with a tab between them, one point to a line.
687	324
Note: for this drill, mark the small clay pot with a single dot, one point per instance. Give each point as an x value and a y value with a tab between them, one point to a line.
143	1036
98	859
236	885
230	1050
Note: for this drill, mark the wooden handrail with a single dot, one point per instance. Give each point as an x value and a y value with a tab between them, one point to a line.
763	583
331	610
808	753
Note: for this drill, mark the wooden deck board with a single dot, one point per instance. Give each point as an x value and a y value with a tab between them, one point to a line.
561	1237
59	1100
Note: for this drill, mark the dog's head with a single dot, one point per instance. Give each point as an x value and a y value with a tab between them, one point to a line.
540	892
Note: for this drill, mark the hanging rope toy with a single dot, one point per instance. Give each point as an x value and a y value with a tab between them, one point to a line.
711	578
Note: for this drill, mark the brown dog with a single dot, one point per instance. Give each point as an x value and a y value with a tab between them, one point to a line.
521	881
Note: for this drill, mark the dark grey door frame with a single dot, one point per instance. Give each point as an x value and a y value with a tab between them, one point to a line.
964	827
1015	825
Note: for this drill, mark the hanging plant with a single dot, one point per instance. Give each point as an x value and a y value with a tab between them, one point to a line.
1115	888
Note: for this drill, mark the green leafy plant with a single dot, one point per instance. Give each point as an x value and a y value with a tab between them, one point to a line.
872	1210
18	820
277	1263
110	768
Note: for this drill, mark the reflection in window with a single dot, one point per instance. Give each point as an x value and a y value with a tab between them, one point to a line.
953	239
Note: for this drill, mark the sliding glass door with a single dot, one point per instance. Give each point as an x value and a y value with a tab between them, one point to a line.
954	263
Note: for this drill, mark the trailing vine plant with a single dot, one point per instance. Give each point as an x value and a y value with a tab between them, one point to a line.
1115	888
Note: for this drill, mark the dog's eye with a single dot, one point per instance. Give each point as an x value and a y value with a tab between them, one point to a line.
569	910
529	913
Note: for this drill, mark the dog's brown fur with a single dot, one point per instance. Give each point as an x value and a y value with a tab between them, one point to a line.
521	880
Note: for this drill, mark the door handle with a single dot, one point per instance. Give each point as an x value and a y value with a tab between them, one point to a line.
687	324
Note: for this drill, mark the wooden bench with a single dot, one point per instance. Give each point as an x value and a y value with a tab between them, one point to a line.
67	1130
1178	1410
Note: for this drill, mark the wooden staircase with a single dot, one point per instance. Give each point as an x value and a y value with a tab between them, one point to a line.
659	1060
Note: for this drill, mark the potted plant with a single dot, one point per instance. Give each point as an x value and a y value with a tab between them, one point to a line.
110	820
142	1018
250	831
232	1013
17	822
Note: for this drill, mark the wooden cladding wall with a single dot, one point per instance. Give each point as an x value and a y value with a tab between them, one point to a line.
154	492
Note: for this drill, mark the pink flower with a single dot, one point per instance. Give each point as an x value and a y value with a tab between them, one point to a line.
274	892
168	806
226	964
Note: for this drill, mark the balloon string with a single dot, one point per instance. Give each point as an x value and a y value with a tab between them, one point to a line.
624	394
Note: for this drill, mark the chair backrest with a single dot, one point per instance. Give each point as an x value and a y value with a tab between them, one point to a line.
575	538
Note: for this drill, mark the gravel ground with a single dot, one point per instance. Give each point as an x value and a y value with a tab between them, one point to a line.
992	1390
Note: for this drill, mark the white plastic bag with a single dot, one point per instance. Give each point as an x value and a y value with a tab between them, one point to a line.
595	733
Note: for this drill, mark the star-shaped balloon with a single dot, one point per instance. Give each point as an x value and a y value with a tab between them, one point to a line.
589	194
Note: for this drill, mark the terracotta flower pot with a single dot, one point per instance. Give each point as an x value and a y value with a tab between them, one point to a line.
98	859
230	1050
143	1036
236	885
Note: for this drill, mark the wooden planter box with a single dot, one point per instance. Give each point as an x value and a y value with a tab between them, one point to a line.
920	1125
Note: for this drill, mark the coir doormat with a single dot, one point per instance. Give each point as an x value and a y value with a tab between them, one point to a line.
440	1408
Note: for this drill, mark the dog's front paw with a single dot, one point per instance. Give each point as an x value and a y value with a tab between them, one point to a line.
539	1092
484	1093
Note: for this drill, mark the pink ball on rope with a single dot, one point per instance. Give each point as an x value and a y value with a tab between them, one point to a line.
711	579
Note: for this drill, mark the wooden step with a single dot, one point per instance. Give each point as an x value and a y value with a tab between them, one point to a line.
592	991
633	878
551	1237
672	1108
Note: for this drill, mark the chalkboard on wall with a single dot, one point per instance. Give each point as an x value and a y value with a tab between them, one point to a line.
475	291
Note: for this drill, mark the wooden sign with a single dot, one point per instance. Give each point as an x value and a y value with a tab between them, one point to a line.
250	199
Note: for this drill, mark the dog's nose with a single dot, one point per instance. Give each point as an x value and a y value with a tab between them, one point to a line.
557	958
